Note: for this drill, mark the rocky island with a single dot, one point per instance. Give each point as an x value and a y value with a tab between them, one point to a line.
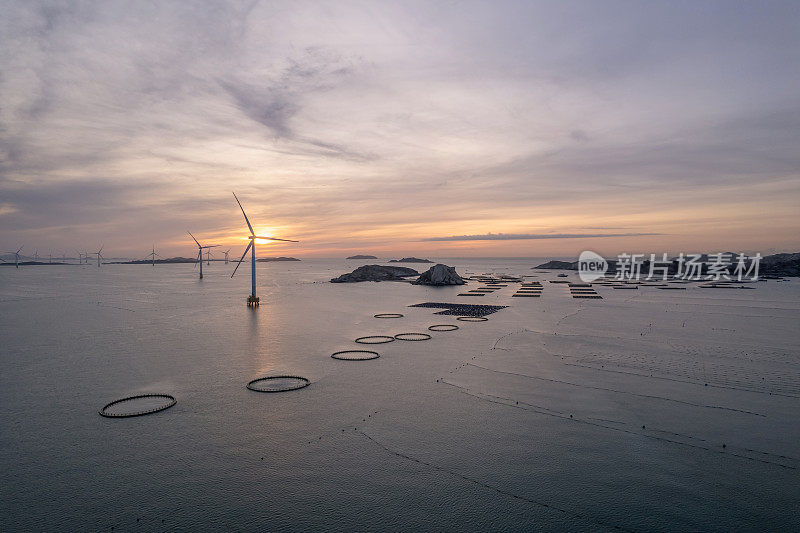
376	273
362	257
410	260
270	259
440	275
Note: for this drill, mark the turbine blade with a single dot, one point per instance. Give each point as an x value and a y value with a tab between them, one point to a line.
195	240
245	214
274	239
242	259
20	249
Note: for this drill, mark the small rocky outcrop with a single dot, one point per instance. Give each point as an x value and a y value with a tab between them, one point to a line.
440	275
410	260
376	273
362	257
271	259
559	265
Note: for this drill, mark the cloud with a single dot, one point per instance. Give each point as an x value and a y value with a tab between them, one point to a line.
534	236
337	123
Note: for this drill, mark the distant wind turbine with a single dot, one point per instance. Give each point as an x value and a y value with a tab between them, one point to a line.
36	255
16	256
98	254
226	252
200	249
252	300
153	255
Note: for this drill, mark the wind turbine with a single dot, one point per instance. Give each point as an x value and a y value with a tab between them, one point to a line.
200	249
226	252
97	253
153	255
16	256
252	300
36	255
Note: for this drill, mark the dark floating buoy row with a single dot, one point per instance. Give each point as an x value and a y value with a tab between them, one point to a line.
355	355
412	337
285	383
170	402
443	327
278	383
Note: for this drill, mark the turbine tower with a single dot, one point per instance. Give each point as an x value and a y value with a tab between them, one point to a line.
200	249
226	252
252	300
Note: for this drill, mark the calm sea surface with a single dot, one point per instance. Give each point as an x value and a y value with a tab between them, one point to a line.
649	409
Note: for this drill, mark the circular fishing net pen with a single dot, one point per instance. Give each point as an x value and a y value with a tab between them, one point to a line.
141	404
412	337
388	315
278	383
443	327
355	355
374	339
472	318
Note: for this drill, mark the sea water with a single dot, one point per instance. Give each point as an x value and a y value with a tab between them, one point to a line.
647	410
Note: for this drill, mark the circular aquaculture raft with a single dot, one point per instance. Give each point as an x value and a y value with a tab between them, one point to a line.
472	318
355	355
412	336
443	327
374	339
278	383
388	315
141	404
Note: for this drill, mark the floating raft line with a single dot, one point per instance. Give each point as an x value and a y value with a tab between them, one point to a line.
291	383
412	337
388	315
374	339
171	401
470	294
355	355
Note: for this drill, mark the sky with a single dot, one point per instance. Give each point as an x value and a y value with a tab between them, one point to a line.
425	128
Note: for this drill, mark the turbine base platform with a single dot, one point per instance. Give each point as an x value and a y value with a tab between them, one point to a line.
253	301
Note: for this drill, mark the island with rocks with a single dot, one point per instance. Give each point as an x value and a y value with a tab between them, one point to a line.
362	257
439	275
271	259
410	260
376	273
